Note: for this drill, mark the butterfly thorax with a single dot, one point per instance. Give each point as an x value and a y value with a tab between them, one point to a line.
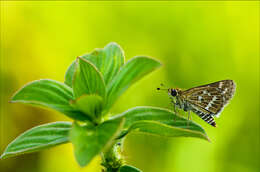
179	99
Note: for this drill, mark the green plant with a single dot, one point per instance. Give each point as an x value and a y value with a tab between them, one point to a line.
93	82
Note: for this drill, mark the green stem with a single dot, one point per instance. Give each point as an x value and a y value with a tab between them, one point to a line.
112	159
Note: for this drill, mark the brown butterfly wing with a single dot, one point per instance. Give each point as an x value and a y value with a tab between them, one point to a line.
210	98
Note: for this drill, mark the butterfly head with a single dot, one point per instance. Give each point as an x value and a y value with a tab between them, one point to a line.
173	92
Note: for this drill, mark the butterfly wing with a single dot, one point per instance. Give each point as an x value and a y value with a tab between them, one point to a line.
209	100
225	87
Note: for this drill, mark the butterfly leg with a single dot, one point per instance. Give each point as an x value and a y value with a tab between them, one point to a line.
175	112
174	108
189	118
171	103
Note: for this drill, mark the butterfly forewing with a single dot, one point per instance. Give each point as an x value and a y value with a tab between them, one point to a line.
209	100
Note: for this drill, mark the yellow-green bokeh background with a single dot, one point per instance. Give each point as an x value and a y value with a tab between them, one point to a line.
197	42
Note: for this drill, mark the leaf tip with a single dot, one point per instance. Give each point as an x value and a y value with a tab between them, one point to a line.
4	155
112	43
11	101
81	163
13	98
78	58
159	63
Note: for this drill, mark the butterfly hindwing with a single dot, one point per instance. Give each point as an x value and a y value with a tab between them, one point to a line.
207	117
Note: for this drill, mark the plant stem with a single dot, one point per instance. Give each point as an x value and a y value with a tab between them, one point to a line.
112	159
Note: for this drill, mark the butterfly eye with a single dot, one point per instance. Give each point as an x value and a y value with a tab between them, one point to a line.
173	92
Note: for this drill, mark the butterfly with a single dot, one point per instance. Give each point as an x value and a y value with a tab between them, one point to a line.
207	101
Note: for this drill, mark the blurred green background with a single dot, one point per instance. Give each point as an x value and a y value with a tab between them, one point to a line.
197	42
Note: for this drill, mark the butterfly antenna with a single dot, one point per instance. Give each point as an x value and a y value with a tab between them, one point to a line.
161	88
162	85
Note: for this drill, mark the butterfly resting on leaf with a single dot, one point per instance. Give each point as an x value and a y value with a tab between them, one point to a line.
207	101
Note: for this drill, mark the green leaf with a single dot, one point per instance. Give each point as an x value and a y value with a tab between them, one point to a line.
128	168
50	94
39	138
132	71
89	141
91	105
87	79
157	128
161	122
70	73
107	60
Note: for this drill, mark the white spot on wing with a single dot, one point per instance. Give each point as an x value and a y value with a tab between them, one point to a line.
224	92
220	85
209	120
210	103
208	106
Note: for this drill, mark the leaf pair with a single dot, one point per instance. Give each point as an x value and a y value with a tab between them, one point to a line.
109	72
89	90
90	74
108	61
